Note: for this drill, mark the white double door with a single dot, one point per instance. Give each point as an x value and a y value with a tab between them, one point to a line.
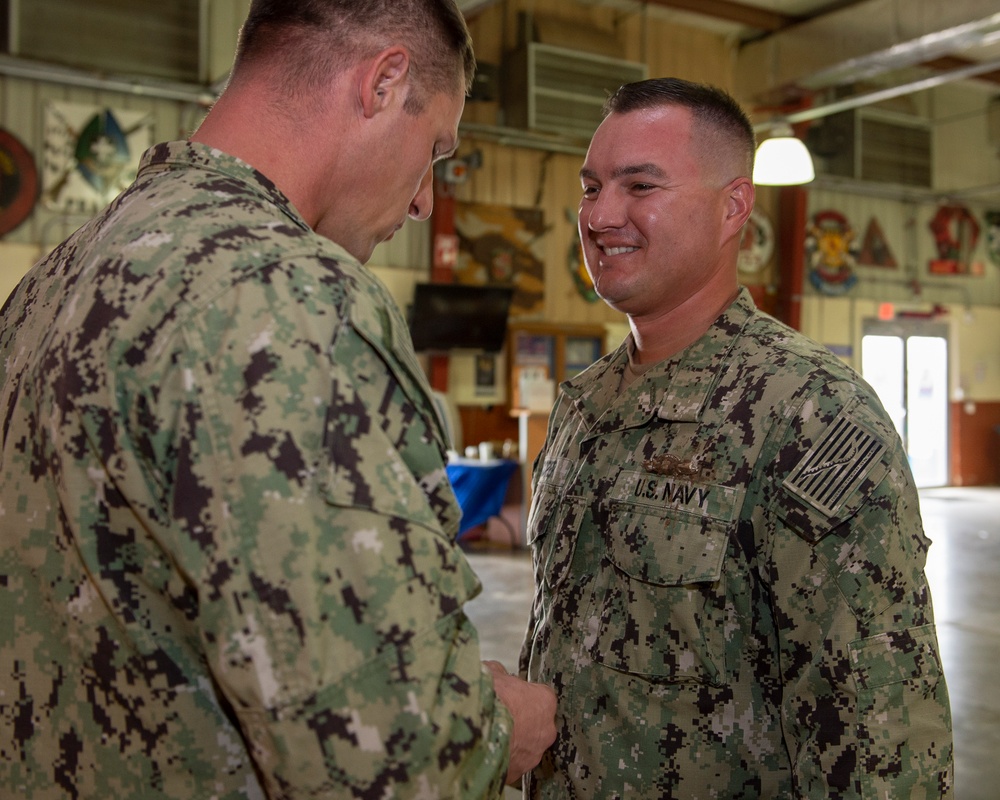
906	362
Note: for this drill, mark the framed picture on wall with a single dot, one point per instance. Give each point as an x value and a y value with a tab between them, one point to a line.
503	245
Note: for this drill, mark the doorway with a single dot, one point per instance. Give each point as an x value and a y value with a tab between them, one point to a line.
906	362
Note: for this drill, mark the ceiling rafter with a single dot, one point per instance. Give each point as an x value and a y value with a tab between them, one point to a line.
949	63
751	16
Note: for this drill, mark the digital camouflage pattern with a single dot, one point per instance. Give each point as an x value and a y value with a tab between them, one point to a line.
227	565
731	600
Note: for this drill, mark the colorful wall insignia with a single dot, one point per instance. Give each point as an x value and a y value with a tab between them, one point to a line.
831	252
955	235
91	154
18	182
875	250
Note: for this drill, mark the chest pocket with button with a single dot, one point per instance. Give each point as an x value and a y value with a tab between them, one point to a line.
664	611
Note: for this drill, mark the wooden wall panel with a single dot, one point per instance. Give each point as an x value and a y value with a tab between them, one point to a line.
224	18
409	249
975	444
691	54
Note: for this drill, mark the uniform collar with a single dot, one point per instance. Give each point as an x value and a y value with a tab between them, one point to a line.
674	390
195	155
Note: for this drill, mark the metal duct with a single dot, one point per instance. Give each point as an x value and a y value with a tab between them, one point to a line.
860	42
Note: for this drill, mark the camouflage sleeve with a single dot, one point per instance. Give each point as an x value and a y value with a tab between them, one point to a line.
309	493
864	702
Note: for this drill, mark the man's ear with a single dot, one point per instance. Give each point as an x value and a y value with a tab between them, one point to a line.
739	204
384	80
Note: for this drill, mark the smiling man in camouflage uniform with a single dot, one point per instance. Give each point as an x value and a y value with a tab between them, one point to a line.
227	565
727	542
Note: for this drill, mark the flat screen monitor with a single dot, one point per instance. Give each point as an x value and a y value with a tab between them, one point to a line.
459	316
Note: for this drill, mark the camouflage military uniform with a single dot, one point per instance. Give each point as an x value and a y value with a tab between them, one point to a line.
731	600
227	567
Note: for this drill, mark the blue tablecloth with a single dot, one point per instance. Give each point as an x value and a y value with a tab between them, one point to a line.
480	487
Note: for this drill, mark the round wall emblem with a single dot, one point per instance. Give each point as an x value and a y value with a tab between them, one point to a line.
18	182
756	243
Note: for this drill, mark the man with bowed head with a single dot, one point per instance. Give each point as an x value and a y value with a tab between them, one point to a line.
727	542
228	566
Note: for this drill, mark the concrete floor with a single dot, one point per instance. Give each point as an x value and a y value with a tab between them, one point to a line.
964	573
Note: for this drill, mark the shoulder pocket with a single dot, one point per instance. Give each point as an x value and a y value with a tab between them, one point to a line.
904	721
383	441
385	331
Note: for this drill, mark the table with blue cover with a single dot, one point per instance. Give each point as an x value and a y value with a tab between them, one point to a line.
481	487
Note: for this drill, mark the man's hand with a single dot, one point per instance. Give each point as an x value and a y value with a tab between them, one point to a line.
533	707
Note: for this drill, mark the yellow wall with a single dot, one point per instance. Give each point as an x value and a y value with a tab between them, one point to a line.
973	337
976	363
15	260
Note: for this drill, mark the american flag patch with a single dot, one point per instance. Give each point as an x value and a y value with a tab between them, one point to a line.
835	466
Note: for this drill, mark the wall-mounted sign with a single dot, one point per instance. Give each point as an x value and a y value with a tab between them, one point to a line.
18	182
91	154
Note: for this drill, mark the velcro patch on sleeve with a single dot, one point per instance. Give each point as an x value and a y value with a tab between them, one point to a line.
834	467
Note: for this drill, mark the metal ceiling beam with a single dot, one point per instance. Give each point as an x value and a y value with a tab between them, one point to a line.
971	69
860	42
751	16
470	8
69	76
948	63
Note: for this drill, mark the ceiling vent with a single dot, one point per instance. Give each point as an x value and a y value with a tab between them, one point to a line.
559	90
871	145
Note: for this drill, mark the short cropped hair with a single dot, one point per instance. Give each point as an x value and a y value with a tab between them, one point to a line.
308	41
711	107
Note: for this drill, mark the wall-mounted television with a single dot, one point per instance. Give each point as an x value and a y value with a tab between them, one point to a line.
459	316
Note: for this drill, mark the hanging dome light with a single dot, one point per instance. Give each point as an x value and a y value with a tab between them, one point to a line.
782	160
